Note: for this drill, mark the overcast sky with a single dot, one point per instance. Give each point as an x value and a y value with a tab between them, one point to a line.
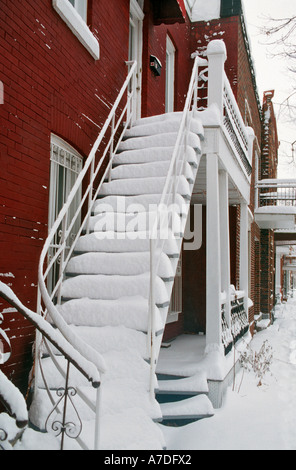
272	73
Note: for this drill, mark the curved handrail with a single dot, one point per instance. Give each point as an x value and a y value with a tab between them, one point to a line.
88	197
87	368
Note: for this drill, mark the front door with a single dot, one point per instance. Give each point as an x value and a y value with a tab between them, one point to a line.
136	47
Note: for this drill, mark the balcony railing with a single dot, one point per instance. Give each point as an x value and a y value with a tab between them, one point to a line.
278	193
239	326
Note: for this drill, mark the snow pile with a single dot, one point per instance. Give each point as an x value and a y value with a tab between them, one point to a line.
253	418
204	11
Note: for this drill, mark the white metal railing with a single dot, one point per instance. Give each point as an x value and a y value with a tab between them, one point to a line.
10	396
236	128
238	324
167	206
96	169
276	193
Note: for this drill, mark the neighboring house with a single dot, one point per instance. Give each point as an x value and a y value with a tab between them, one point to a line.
63	66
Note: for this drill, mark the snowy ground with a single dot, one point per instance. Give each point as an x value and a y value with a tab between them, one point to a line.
253	418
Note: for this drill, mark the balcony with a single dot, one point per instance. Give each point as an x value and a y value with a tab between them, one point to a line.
276	204
226	134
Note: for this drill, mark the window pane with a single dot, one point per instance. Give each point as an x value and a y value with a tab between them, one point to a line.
81	7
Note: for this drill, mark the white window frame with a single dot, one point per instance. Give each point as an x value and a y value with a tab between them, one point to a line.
71	15
136	49
81	8
176	305
170	76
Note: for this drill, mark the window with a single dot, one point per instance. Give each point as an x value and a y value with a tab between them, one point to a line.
176	298
136	49
170	76
81	8
65	166
74	14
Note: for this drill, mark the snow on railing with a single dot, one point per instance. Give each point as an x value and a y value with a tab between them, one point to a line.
9	395
236	128
86	188
168	200
237	325
276	193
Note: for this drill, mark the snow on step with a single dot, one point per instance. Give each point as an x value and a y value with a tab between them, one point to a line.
136	204
131	187
130	224
161	140
172	116
118	264
130	430
195	407
154	127
153	154
195	384
113	287
113	242
129	311
149	170
113	338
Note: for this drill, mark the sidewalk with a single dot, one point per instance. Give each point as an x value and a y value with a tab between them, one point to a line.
253	418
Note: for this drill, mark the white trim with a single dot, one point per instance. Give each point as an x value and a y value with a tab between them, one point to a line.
78	26
136	10
170	75
136	22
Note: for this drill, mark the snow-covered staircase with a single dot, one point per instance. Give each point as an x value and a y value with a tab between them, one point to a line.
105	294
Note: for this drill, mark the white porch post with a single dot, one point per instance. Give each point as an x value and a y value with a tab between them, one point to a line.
217	55
278	275
244	253
214	323
225	241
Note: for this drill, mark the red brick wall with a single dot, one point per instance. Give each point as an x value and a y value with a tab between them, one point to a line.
154	43
51	84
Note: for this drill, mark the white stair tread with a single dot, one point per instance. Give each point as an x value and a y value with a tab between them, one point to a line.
161	140
130	224
118	264
126	364
131	187
113	287
136	203
150	155
130	430
189	408
146	170
197	383
161	126
113	242
113	338
116	396
129	311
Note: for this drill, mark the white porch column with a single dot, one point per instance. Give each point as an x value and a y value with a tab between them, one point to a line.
278	275
244	253
217	55
214	323
225	241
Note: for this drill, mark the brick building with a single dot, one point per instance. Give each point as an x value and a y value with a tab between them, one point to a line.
63	66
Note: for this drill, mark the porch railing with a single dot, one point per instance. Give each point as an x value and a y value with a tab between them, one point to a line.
236	128
276	193
97	168
239	324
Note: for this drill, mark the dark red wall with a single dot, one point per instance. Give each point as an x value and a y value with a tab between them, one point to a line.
51	84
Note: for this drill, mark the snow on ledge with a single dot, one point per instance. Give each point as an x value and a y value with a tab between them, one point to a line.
78	26
203	11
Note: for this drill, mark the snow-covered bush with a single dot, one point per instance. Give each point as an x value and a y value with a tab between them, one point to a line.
258	362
